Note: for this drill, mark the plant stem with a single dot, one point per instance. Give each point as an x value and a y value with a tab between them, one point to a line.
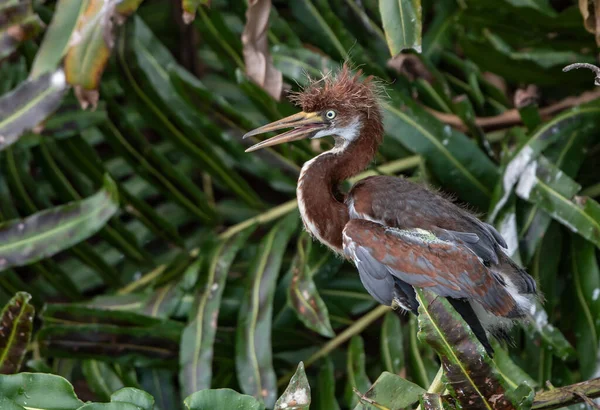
334	343
436	386
565	396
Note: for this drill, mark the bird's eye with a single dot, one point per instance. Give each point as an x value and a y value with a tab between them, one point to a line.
330	114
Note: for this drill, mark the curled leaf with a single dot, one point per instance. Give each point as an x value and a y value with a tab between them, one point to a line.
259	64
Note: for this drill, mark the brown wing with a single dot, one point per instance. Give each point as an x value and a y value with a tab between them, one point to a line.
420	259
399	203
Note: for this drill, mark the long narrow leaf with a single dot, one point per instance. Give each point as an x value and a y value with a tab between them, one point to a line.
16	326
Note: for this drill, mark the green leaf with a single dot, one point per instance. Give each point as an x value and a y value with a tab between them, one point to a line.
297	395
324	395
563	124
57	37
402	24
80	331
109	406
356	370
221	399
39	391
432	401
561	347
144	63
392	345
586	310
160	383
543	184
471	375
29	104
198	338
253	334
134	396
16	326
101	378
390	391
303	296
50	231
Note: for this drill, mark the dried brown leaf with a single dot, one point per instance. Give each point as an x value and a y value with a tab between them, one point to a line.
590	10
259	64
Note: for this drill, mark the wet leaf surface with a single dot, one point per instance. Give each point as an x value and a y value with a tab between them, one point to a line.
390	391
42	391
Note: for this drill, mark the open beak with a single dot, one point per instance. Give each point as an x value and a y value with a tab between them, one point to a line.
304	124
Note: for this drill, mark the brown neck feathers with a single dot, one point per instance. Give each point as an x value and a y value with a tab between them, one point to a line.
320	202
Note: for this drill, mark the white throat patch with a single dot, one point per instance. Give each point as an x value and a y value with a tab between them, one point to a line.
348	133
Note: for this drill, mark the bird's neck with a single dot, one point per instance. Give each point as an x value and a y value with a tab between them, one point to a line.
319	199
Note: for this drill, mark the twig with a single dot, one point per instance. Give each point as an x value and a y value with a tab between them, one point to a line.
564	396
588	66
512	117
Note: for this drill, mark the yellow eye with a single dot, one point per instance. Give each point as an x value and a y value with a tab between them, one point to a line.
330	114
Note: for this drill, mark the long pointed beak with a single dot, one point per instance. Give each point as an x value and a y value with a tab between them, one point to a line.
304	124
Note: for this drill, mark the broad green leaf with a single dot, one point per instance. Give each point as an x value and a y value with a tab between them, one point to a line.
254	361
567	154
57	38
79	331
8	404
163	301
390	391
550	132
18	23
512	374
303	296
134	396
402	24
29	104
50	231
356	371
586	311
16	326
39	391
439	33
101	378
471	375
392	345
549	333
543	184
297	395
221	399
198	338
324	394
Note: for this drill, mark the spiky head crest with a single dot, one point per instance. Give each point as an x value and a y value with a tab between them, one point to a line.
344	92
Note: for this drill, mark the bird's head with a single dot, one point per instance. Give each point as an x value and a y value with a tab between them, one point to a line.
340	105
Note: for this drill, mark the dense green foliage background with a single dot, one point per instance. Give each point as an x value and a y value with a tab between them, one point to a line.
180	263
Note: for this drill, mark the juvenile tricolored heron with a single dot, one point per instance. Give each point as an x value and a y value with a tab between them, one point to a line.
399	234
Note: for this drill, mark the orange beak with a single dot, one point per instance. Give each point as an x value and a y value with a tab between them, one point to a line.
305	124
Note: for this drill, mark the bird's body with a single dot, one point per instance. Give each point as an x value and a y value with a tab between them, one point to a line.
399	234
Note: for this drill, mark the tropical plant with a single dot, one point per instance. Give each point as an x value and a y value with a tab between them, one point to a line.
147	261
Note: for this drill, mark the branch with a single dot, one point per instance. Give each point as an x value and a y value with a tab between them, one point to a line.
512	117
565	396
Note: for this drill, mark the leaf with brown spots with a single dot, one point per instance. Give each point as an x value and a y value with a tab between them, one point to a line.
259	64
303	296
90	45
16	324
297	394
470	374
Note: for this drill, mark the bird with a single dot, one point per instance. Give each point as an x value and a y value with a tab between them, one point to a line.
399	234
